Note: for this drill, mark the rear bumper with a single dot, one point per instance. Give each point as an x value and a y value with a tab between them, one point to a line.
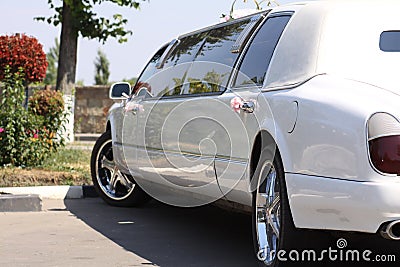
335	204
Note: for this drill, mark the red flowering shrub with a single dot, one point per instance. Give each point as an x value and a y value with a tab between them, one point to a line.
22	51
49	106
46	103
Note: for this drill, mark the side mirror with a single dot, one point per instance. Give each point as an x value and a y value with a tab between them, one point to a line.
120	91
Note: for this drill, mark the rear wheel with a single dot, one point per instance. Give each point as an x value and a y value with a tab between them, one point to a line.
273	226
114	187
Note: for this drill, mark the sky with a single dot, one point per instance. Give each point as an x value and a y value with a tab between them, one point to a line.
156	23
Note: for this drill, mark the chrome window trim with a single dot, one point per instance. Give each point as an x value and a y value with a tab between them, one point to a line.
241	40
171	47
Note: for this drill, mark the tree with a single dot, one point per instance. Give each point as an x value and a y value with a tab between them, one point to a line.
20	51
77	18
52	60
101	65
131	81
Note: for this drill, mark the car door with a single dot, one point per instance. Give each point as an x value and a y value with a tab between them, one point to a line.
209	125
181	131
167	168
127	133
251	108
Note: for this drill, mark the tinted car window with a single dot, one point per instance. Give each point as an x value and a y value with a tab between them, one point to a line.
390	41
219	42
214	62
186	50
178	62
171	80
144	79
255	63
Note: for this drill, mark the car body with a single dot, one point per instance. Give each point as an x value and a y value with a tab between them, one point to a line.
308	90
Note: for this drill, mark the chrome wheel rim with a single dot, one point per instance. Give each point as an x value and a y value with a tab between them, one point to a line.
268	212
115	184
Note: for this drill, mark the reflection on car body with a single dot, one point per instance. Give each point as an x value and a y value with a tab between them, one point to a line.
290	113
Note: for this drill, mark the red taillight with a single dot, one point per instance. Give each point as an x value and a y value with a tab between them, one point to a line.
384	143
385	154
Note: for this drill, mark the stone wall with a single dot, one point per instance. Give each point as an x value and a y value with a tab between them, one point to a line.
91	107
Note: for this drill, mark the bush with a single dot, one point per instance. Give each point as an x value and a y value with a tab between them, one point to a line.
22	51
18	136
48	105
27	137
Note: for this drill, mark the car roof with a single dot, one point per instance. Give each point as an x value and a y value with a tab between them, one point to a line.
339	37
307	45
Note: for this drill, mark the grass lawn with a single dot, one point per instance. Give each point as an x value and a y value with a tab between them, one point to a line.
69	166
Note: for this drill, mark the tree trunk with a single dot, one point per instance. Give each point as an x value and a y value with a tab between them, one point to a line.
67	68
68	53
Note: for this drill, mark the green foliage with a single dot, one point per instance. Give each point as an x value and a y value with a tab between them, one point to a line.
17	139
26	137
91	25
66	166
102	66
131	81
79	19
80	83
48	105
69	160
52	60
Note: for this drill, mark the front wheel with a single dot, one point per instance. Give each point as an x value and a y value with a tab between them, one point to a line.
113	186
273	226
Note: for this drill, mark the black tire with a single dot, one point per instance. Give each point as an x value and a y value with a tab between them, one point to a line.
269	163
113	186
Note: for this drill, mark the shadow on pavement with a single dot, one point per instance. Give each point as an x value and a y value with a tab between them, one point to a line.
209	236
168	236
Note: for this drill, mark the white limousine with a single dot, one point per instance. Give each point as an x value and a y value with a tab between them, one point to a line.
292	114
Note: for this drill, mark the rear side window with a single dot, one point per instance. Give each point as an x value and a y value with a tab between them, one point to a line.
255	63
219	42
390	41
186	50
214	62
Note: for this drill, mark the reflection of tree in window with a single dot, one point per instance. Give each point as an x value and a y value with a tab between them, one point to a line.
216	54
212	77
176	90
219	42
186	50
209	84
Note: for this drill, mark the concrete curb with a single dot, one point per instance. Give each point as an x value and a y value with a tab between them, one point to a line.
20	203
53	192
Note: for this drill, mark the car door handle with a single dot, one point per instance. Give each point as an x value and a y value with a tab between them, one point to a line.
134	110
248	106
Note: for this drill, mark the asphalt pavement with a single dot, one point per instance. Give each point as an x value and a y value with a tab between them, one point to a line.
87	232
